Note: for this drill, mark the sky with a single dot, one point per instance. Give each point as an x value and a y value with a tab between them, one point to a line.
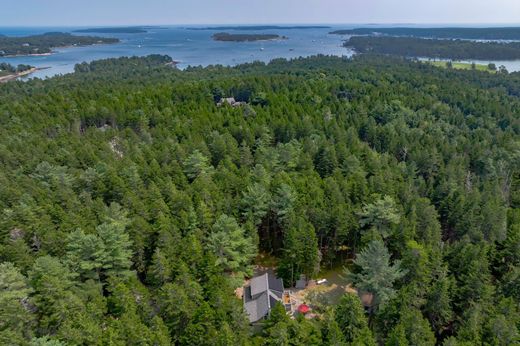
140	12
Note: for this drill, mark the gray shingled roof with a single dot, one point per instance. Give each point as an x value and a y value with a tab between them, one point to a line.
261	295
258	308
259	284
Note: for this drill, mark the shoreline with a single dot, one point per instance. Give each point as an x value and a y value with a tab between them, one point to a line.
53	50
281	38
26	55
15	76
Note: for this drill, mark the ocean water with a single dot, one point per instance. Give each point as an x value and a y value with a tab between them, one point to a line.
193	47
188	47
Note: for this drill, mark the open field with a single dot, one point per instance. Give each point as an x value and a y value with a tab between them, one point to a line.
461	66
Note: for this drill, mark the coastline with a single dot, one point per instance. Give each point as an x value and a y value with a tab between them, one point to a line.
14	76
24	55
53	50
280	38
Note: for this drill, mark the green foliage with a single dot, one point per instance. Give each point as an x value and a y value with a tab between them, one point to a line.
380	215
104	254
196	164
376	274
412	329
131	206
434	48
351	319
301	253
15	316
232	248
40	44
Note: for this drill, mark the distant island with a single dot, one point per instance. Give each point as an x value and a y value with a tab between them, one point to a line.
224	36
43	44
115	30
504	33
434	48
261	27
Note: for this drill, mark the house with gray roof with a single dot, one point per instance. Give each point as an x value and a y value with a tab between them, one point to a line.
260	296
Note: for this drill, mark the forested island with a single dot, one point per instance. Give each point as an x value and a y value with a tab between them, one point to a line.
132	206
261	27
43	44
224	36
493	33
434	48
115	30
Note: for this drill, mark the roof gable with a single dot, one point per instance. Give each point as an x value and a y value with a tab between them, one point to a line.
259	284
261	295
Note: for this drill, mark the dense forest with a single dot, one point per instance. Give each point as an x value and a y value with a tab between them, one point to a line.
43	44
433	48
132	207
224	36
494	33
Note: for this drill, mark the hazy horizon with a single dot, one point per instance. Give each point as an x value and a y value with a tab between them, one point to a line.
236	12
97	25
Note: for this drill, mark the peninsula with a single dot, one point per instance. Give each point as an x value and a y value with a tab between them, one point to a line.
224	36
8	72
434	48
43	44
494	33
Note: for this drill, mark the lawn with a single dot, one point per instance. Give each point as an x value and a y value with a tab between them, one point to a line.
462	66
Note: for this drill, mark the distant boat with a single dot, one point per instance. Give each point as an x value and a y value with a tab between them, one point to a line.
262	48
291	49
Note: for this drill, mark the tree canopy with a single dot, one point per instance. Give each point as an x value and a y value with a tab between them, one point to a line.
132	206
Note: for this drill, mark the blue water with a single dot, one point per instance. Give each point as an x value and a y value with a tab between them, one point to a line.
189	47
192	47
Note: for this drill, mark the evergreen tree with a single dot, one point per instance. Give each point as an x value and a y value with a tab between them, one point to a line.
15	315
350	317
196	164
234	251
412	329
380	216
376	274
300	253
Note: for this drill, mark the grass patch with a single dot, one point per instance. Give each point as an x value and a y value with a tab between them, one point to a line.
266	260
462	66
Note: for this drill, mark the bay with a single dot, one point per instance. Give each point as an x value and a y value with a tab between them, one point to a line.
188	47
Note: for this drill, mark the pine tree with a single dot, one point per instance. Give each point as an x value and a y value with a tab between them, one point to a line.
234	251
53	296
350	317
300	252
376	274
380	216
331	331
412	329
15	316
255	203
196	164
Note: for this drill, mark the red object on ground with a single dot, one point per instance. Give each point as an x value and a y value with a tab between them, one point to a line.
303	309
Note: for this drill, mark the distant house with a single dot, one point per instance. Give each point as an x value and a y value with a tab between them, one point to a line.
230	101
261	295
